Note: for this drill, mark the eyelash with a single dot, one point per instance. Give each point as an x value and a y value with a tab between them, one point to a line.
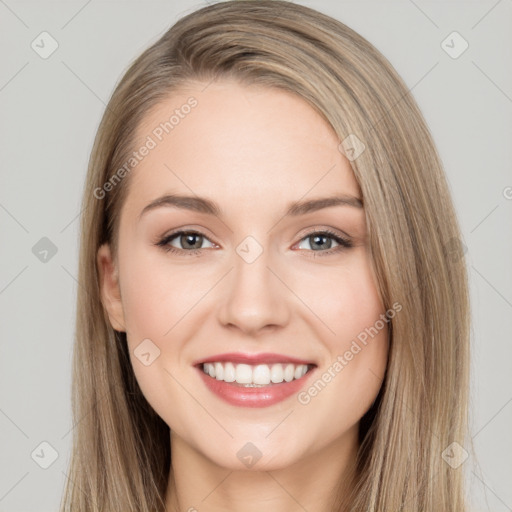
344	243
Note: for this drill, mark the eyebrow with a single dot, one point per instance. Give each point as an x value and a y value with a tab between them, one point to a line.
203	205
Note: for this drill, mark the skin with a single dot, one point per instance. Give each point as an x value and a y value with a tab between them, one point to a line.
253	151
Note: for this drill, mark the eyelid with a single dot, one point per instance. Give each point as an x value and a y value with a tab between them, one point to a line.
343	240
163	241
187	229
312	230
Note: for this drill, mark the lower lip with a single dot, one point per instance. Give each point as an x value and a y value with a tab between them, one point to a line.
263	396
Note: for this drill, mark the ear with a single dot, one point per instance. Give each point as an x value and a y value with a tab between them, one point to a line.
109	288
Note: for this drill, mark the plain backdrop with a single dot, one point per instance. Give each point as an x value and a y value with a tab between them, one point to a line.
50	110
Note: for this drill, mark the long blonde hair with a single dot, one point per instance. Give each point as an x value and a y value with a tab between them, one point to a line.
121	448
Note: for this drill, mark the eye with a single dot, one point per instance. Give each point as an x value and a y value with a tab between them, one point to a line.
322	242
319	243
184	241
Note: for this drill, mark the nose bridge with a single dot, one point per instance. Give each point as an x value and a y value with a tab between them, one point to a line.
255	297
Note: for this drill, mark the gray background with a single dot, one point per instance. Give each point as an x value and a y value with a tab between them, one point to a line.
50	109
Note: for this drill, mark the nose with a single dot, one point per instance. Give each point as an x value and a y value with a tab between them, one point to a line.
255	298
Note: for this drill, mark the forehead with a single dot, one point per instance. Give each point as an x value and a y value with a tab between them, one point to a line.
226	140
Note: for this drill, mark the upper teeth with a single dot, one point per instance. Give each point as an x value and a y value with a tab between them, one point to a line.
261	374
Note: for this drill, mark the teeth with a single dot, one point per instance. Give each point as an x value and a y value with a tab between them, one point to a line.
288	372
229	372
219	371
276	374
243	374
261	374
253	376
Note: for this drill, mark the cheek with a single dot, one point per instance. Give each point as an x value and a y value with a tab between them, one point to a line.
363	334
356	342
357	304
345	299
153	304
156	295
158	303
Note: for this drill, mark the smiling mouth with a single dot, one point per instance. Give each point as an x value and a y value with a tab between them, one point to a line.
254	376
254	380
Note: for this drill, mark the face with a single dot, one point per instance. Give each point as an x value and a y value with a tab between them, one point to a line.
250	307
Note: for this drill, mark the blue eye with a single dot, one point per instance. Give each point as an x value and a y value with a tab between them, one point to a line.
323	240
191	242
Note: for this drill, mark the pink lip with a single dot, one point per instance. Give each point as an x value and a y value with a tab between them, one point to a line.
265	358
265	396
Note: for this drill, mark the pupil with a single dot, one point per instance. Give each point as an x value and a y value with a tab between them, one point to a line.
190	240
321	240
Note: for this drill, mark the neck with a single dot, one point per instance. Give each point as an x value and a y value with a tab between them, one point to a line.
313	483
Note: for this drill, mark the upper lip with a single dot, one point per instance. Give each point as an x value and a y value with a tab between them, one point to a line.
253	359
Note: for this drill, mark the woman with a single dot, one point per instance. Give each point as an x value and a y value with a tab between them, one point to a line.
274	306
